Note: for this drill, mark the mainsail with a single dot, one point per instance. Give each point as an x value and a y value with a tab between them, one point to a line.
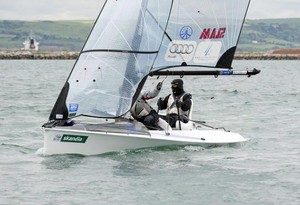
132	38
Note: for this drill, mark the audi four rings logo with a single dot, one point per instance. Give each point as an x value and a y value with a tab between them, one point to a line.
181	48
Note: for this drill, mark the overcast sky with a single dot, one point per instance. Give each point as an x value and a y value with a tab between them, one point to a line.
88	9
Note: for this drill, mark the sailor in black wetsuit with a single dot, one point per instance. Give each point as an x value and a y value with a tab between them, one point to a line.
178	102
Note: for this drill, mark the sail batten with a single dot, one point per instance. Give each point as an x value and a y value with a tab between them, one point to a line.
131	39
119	51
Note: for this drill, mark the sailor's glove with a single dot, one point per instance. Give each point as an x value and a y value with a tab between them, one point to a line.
159	85
160	103
178	103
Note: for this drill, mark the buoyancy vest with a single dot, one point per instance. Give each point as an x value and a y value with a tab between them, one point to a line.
172	108
140	109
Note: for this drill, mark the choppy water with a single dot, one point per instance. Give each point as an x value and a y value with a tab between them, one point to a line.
265	171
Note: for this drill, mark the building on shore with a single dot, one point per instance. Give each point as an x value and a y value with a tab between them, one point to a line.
30	44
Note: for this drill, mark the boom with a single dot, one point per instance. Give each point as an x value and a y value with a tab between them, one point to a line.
207	72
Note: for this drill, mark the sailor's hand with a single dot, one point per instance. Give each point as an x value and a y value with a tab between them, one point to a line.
178	103
160	102
159	85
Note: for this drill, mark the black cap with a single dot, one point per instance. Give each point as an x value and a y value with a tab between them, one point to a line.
178	82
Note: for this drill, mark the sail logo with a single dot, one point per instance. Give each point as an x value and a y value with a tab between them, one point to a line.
179	51
182	48
186	32
208	52
73	107
74	138
213	33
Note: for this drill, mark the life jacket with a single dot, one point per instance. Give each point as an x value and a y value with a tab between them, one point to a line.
140	109
172	105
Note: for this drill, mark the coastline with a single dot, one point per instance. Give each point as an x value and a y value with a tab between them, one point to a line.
72	55
266	56
38	55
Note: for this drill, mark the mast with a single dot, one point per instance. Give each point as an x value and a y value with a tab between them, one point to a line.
131	64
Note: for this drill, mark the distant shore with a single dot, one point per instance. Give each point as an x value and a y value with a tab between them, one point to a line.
65	55
38	55
275	55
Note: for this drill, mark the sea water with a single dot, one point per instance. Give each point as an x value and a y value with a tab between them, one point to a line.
265	171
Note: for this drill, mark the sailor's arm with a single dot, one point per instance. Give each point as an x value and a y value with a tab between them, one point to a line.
186	102
146	95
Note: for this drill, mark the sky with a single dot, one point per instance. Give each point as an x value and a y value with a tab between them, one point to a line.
88	9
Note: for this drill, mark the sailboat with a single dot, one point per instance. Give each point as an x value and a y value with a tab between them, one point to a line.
130	41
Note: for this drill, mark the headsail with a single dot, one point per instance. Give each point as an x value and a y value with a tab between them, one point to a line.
132	38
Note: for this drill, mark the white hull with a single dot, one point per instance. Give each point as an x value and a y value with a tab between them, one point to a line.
70	140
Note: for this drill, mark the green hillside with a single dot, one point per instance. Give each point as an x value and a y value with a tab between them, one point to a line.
257	35
270	34
52	35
